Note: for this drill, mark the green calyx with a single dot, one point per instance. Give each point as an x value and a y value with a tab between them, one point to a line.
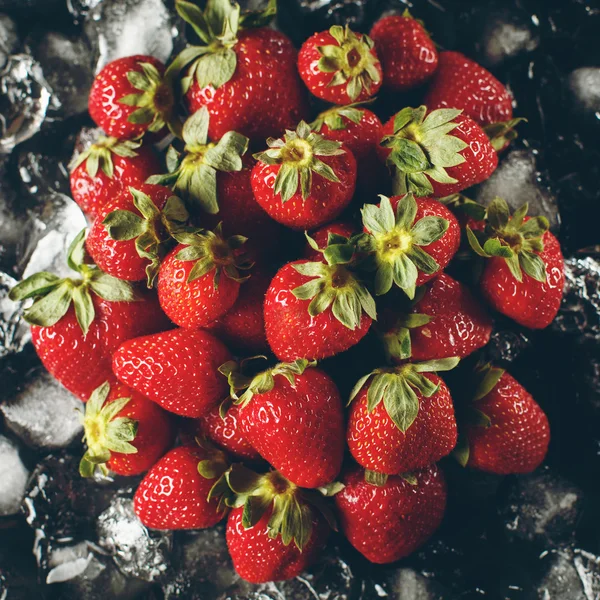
503	133
217	26
350	60
337	117
152	230
460	203
212	252
395	243
193	176
105	431
334	284
298	156
380	479
396	386
99	155
397	341
243	387
53	296
154	102
216	467
422	148
514	239
292	508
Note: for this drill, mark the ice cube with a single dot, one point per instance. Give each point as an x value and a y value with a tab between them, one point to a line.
80	8
584	86
118	28
13	477
42	413
507	342
9	38
408	584
14	332
570	575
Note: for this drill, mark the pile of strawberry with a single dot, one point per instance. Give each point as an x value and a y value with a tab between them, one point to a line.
211	229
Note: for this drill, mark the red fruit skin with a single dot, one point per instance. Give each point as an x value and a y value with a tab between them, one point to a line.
292	333
196	303
518	438
110	85
326	200
481	159
258	559
120	259
92	193
378	445
265	95
318	82
173	494
83	363
155	433
407	53
459	326
390	522
321	235
530	303
460	82
243	326
226	433
177	369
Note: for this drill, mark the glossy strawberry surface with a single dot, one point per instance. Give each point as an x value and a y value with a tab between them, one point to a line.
292	333
386	523
82	363
321	235
265	95
173	495
177	369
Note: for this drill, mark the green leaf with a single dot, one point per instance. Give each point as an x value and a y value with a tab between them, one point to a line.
112	289
474	243
226	155
286	182
202	188
494	247
324	170
84	307
428	230
123	225
479	419
144	204
405	273
498	214
384	278
488	383
461	452
406	212
195	129
514	266
48	310
309	290
259	18
417	183
398	343
533	265
409	157
142	115
423	261
216	69
385	214
438	118
401	404
35	285
192	15
76	252
375	478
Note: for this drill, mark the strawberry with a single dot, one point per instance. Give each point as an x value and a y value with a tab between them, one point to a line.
325	235
304	180
124	432
408	55
410	239
318	309
340	66
106	169
199	280
245	74
505	430
222	427
243	326
177	369
130	234
388	522
183	490
524	276
270	513
78	323
130	96
292	415
427	160
445	321
402	418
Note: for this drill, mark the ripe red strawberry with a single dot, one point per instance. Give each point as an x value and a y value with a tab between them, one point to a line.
402	418
199	280
243	326
124	431
317	309
130	96
322	237
130	234
388	522
304	180
407	53
222	427
505	430
107	168
78	323
438	154
183	490
292	415
245	74
524	276
446	321
177	369
411	240
281	535
340	66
